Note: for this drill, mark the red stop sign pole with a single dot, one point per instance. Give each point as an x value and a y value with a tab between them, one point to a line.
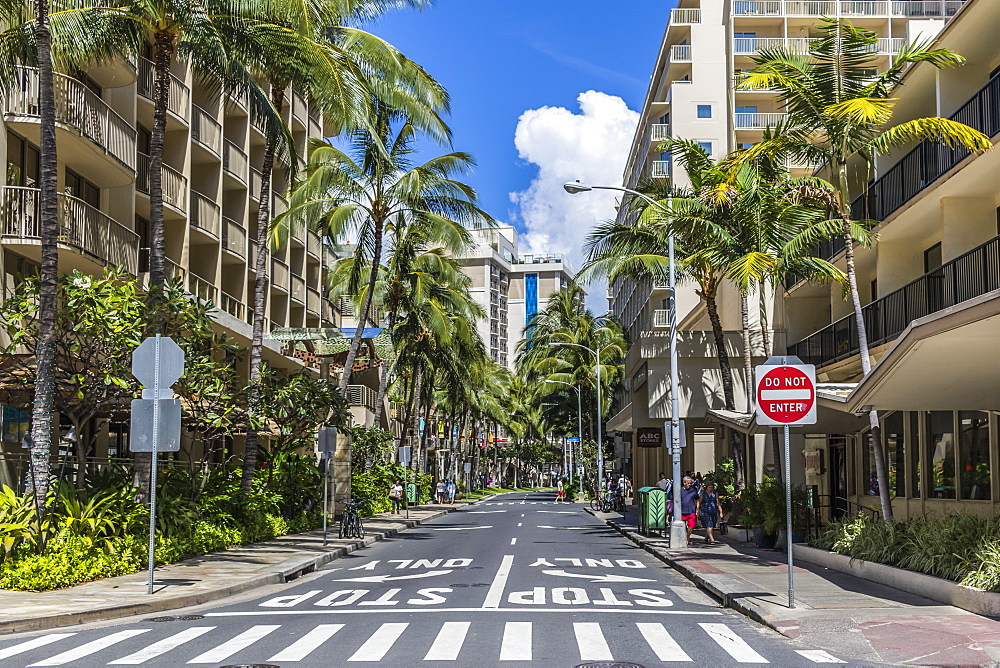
786	396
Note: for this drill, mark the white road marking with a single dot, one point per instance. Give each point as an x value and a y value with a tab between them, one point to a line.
162	647
242	641
818	656
513	541
665	647
495	594
485	512
438	611
595	577
734	645
380	642
385	578
542	526
308	643
516	643
519	523
590	640
34	643
522	514
462	528
89	648
449	642
557	512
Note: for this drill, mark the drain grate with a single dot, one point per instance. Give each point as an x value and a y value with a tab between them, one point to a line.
480	584
190	618
609	664
177	618
460	584
161	619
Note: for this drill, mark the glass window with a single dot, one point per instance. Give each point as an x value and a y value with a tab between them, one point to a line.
941	454
933	258
974	453
706	146
704	111
914	456
892	436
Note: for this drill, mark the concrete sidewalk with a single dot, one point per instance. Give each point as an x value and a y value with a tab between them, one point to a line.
201	579
837	612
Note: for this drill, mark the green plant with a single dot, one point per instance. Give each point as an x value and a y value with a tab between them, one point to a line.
724	479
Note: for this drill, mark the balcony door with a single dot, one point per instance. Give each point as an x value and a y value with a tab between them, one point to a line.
934	276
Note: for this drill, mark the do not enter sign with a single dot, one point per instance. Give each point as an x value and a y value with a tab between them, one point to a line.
786	394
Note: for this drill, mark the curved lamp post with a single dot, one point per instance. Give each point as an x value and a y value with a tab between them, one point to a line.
678	534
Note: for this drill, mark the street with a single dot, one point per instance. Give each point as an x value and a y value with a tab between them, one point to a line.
517	580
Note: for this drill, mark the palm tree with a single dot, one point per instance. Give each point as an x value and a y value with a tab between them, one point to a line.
356	194
837	116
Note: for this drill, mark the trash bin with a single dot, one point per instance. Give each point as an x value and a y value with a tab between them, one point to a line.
652	510
411	493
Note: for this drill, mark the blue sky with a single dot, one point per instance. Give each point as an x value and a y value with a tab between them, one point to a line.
501	58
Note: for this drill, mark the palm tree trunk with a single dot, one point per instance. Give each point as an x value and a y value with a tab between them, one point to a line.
747	353
45	381
766	339
163	55
260	286
366	304
881	471
735	442
383	381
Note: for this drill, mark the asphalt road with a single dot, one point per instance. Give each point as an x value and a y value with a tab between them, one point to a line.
518	580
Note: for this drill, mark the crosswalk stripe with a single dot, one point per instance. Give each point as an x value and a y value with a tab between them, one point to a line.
516	643
302	647
34	643
162	647
818	656
230	647
590	640
449	642
376	647
665	647
734	645
89	648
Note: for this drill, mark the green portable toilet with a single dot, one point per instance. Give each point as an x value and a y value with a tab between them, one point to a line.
652	510
411	493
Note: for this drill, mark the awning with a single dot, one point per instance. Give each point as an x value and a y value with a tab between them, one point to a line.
949	360
832	416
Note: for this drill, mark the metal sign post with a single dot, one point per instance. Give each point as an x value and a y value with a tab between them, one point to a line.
326	445
786	396
404	459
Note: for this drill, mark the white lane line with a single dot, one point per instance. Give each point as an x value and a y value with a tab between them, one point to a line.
519	523
522	514
485	512
513	541
734	645
516	643
89	648
495	595
590	640
376	647
410	611
242	641
665	647
34	643
308	643
463	528
818	656
162	647
449	642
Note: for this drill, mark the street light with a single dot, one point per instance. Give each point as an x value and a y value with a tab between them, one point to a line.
600	444
579	427
678	534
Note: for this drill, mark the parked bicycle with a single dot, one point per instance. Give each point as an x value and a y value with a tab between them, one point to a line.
350	522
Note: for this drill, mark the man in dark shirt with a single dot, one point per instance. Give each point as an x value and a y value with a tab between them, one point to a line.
690	500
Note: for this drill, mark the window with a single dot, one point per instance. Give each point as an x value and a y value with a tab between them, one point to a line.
79	187
974	454
892	436
745	42
706	146
941	453
915	455
142	229
874	289
933	258
746	116
22	162
704	111
16	269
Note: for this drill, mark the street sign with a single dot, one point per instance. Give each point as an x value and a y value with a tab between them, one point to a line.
404	455
168	426
786	394
573	439
171	362
682	441
468	467
327	442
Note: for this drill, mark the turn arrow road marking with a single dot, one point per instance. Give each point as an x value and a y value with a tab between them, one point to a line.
386	578
596	578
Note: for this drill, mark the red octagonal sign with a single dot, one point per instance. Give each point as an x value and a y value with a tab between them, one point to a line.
786	394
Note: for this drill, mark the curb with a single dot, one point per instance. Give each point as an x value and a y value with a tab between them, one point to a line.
728	596
279	573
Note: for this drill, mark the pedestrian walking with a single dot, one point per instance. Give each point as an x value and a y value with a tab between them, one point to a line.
711	511
663	481
560	491
690	500
451	488
440	491
396	495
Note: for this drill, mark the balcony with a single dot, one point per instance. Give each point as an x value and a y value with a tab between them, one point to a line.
744	121
256	182
361	395
233	306
172	183
234	162
202	289
660	169
179	97
661	317
81	227
80	111
206	215
926	8
685	16
299	111
279	275
680	53
967	276
297	289
928	162
660	132
313	244
205	130
847	8
234	237
313	301
751	45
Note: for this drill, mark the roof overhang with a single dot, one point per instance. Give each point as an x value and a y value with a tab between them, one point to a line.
949	360
832	416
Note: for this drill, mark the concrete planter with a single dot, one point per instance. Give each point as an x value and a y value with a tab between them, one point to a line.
937	589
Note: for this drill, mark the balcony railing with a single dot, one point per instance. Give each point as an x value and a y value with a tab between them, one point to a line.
81	226
685	16
234	160
313	244
206	215
680	53
847	8
760	121
233	306
751	45
967	276
928	162
926	8
279	274
202	289
172	183
78	107
234	237
660	169
313	300
297	290
661	318
298	105
660	132
172	271
361	395
179	97
206	130
256	181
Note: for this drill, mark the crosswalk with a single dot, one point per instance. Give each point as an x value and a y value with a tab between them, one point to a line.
392	642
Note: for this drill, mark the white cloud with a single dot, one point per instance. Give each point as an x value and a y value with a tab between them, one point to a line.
591	146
